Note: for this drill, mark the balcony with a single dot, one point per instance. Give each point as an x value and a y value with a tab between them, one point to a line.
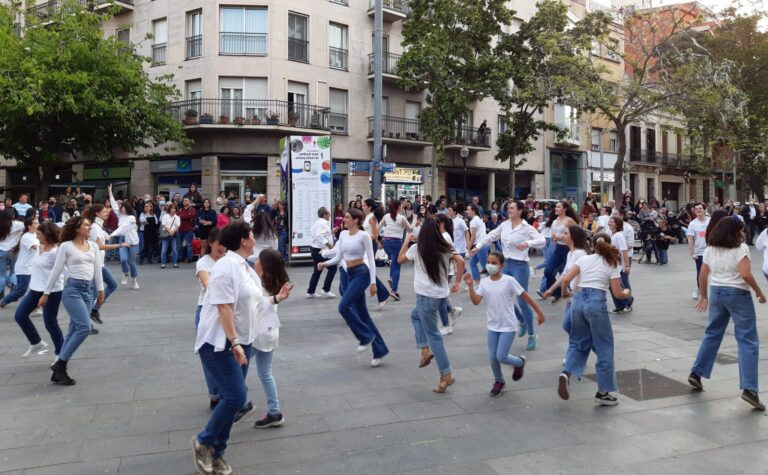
298	50
476	140
158	54
337	123
338	58
194	46
46	11
242	44
124	6
399	131
571	137
388	66
673	160
645	156
267	116
394	10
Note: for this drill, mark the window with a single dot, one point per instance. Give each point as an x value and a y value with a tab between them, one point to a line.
567	117
194	34
243	31
501	124
596	139
298	37
160	33
337	120
194	95
384	105
124	35
338	50
613	142
244	97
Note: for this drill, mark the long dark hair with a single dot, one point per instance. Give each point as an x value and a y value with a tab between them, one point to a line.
394	207
92	212
69	231
50	231
579	237
27	223
605	249
233	233
446	222
619	223
717	215
262	226
213	236
568	212
274	275
357	215
6	222
727	233
432	247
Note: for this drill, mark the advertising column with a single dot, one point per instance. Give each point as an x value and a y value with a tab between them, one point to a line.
311	183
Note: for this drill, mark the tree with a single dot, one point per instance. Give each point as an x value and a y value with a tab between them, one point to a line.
541	60
67	90
449	51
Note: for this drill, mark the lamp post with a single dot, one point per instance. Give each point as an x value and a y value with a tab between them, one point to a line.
377	99
464	152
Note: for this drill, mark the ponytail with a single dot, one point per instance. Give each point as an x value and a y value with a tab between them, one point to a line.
604	249
394	207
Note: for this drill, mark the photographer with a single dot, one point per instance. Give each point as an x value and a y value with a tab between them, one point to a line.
649	234
664	238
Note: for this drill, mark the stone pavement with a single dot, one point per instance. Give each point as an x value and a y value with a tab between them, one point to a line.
140	394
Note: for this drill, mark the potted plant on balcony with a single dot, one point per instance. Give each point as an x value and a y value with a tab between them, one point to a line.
206	118
273	118
293	117
190	117
255	120
397	135
239	120
223	119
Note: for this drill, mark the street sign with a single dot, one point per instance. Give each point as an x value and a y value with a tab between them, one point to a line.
359	168
388	167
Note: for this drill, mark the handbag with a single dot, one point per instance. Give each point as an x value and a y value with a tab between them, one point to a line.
164	232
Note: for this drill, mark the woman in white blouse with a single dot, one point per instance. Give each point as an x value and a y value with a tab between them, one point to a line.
371	226
169	225
10	233
48	238
393	227
129	231
97	214
25	251
83	263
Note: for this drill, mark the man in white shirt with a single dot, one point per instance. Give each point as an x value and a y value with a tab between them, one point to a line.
602	220
322	238
697	241
460	230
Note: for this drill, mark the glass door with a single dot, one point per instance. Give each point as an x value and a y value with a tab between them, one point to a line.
233	188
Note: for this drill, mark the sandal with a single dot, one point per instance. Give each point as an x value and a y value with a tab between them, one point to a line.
445	381
425	360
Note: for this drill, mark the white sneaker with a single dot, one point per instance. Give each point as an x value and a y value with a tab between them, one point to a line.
38	349
455	315
376	362
327	295
695	295
124	281
381	305
135	284
38	312
363	348
310	296
533	272
446	330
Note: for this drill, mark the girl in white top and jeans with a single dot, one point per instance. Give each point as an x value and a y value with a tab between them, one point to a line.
129	231
726	264
25	251
371	226
393	227
10	233
356	249
96	214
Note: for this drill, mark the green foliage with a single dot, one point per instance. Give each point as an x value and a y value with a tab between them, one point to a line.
67	90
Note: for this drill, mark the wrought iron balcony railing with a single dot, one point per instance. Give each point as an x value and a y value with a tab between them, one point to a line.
338	58
400	6
158	54
246	44
298	50
239	112
471	137
194	46
398	128
388	63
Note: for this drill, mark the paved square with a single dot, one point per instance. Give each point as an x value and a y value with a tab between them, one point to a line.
140	394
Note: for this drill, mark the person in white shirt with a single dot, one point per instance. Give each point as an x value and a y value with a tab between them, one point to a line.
392	228
47	235
128	230
10	233
517	237
97	214
726	264
449	315
460	230
371	226
590	324
227	328
26	250
356	250
322	238
82	261
618	240
761	244
431	258
169	226
264	233
501	293
476	233
697	241
602	220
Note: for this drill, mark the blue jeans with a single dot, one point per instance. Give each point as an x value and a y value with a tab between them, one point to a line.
174	244
113	253
50	317
424	321
78	300
213	391
184	238
392	248
726	303
621	304
699	262
22	284
110	284
499	344
663	256
315	279
355	312
7	277
567	315
343	281
282	244
480	257
227	374
547	253
555	264
591	330
445	309
264	368
521	272
128	260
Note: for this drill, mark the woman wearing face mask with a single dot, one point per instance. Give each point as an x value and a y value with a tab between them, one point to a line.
501	293
25	251
97	214
70	211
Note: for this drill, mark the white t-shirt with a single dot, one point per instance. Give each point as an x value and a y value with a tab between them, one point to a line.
620	242
500	298
354	247
570	261
10	241
602	221
204	264
478	225
26	254
629	236
96	233
724	265
367	223
390	228
170	222
79	265
41	269
595	273
459	236
422	285
698	229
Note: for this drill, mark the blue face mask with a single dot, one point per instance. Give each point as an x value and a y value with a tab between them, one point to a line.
161	203
492	269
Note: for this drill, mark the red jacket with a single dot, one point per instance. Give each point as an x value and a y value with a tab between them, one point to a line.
187	217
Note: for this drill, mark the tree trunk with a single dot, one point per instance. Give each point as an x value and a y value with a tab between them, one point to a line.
618	169
45	172
511	178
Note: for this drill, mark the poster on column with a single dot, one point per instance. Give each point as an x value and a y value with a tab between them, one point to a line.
311	183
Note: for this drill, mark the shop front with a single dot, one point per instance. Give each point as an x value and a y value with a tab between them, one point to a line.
175	176
403	182
564	174
607	185
243	178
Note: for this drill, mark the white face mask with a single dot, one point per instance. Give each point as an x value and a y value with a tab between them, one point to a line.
492	269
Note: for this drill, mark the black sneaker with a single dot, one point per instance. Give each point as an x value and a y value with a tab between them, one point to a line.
96	316
244	412
627	309
615	311
695	381
605	399
517	373
94	331
60	375
395	296
269	421
752	398
541	296
214	403
496	389
562	386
